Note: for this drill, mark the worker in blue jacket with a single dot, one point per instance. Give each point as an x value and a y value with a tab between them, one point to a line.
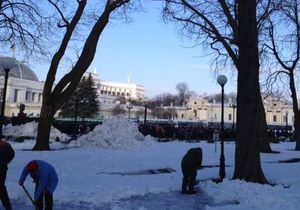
45	177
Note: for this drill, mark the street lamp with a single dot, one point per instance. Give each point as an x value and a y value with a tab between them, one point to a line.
75	120
233	113
6	64
129	107
145	114
222	81
286	124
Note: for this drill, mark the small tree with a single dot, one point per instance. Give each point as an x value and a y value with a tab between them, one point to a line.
68	109
84	99
88	104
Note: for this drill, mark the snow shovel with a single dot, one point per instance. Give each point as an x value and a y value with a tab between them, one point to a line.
29	196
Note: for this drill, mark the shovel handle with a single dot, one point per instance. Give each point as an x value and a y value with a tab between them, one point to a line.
29	196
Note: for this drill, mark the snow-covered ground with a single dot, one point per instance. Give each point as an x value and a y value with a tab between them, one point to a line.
106	169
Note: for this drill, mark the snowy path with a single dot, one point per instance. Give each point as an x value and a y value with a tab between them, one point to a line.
170	200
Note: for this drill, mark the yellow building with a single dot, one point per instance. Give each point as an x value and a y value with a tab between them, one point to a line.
278	112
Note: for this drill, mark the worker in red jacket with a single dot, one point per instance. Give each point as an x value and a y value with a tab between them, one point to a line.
6	155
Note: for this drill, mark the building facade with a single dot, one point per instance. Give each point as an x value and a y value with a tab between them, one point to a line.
24	88
278	112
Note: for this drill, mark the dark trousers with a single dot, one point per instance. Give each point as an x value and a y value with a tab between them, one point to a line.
3	191
47	198
188	180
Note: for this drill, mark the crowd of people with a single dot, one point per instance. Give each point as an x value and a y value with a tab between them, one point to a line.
197	132
183	132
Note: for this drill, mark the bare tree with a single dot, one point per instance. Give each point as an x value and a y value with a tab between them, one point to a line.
284	45
231	29
183	92
26	26
55	95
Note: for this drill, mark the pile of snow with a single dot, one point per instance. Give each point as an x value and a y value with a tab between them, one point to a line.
30	130
116	133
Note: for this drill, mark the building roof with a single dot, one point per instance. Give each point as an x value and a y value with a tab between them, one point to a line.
18	69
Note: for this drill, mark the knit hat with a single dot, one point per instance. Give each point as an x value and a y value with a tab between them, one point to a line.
32	166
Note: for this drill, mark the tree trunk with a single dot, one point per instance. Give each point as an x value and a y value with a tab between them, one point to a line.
297	131
264	139
295	110
44	128
249	109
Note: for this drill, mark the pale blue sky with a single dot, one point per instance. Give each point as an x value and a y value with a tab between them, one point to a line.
152	54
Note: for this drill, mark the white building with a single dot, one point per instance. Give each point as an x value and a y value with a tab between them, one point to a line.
24	88
110	94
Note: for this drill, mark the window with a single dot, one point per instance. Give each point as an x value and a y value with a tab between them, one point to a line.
195	102
40	97
27	96
33	96
229	117
16	92
274	118
1	92
195	113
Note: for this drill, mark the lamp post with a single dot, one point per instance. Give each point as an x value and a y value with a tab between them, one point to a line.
286	124
145	114
129	107
75	119
233	113
222	81
6	65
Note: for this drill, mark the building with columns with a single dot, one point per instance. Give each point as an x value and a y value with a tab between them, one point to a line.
278	111
23	87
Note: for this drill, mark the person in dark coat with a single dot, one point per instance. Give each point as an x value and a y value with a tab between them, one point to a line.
190	163
6	155
45	177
